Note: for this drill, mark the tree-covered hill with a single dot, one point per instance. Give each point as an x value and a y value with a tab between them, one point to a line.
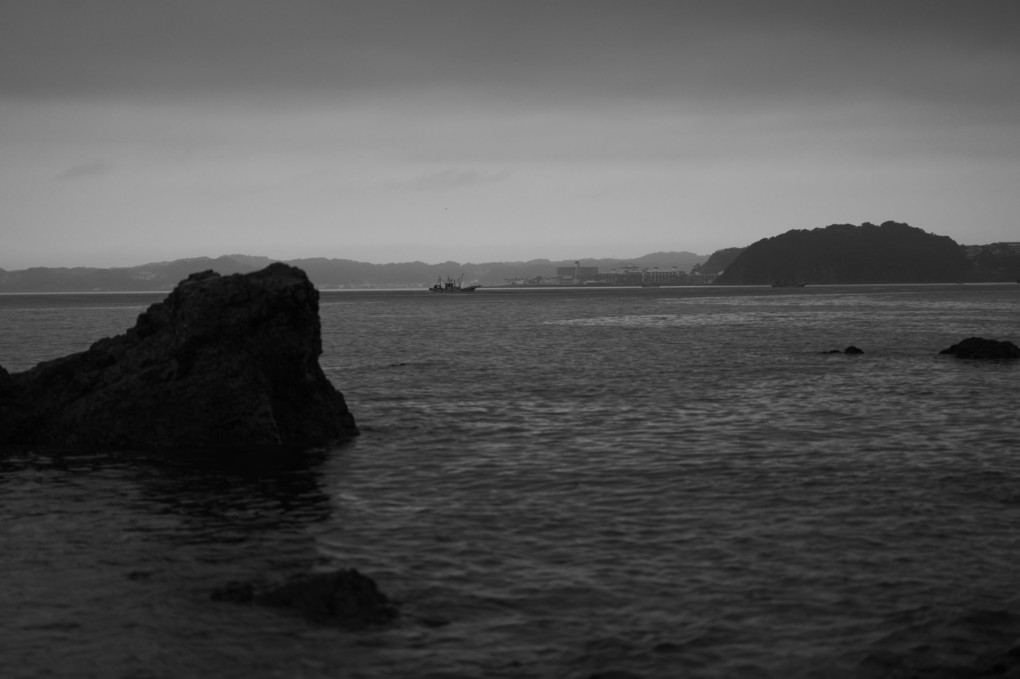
844	253
717	261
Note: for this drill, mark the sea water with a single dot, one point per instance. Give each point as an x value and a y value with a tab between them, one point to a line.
671	482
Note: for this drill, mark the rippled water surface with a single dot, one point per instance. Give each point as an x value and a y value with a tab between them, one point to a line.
665	482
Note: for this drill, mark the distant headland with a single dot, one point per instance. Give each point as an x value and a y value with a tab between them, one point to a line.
891	252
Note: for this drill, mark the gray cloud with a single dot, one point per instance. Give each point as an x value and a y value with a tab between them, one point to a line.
446	179
84	170
736	50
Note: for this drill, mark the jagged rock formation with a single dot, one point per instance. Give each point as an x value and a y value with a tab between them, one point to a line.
223	361
344	598
978	347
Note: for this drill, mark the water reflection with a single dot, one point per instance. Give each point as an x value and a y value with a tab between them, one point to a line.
145	512
234	499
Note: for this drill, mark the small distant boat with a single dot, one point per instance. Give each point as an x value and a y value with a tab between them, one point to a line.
784	283
451	285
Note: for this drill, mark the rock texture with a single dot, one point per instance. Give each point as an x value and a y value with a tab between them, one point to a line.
343	598
978	347
223	361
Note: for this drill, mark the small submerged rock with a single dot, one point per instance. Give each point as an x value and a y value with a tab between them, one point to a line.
849	350
344	598
614	674
978	347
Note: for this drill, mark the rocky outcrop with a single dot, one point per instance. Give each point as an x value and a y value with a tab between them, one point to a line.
344	598
223	361
978	347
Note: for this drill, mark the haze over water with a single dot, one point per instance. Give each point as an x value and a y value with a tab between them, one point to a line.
668	482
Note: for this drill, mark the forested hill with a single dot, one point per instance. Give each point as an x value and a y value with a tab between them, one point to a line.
844	253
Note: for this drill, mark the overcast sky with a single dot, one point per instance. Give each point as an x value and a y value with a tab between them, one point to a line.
134	131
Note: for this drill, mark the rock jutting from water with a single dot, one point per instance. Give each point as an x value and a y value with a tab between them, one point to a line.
223	362
978	347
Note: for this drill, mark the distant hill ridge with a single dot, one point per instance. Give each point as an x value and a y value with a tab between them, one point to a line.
323	272
891	252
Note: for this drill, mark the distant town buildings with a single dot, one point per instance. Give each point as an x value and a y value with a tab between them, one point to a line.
992	248
577	272
629	275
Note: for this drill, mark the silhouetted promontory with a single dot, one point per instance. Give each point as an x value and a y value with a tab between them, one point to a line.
222	362
843	253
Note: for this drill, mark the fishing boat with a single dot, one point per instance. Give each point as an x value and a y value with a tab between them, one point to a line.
451	285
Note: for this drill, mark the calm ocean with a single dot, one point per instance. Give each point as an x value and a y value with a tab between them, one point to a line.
671	482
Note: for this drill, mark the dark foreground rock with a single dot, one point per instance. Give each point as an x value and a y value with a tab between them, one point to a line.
344	598
223	361
978	347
